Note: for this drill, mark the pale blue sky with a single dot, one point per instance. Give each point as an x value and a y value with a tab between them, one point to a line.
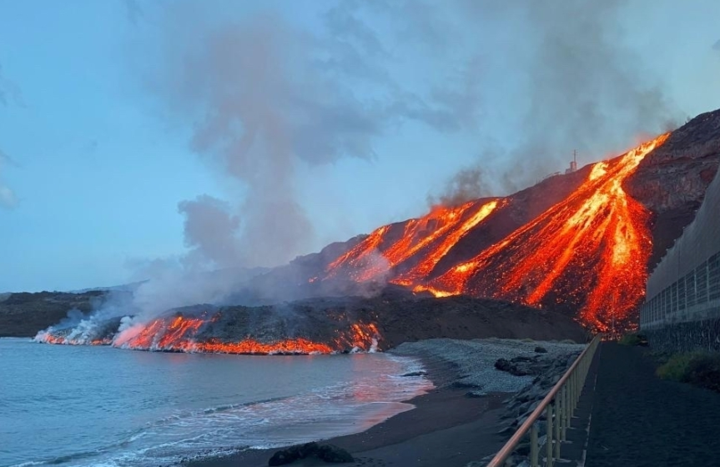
95	155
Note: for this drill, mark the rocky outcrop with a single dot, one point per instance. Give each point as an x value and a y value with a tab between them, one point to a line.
548	372
671	181
474	364
328	453
24	314
519	407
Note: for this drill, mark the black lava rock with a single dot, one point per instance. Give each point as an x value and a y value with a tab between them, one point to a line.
540	350
328	453
334	454
293	453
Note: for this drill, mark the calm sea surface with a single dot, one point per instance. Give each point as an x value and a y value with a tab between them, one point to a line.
65	405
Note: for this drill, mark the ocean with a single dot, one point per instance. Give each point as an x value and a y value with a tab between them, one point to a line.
87	405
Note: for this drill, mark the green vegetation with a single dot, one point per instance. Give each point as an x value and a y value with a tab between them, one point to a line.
568	341
631	338
527	339
697	368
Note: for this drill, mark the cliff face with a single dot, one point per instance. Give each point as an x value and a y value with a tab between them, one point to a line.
672	180
24	314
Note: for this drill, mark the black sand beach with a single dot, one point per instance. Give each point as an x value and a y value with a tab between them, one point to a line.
447	428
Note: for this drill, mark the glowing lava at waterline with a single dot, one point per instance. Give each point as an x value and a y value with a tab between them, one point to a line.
184	334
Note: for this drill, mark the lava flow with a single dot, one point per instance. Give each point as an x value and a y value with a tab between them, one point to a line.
587	252
186	334
422	241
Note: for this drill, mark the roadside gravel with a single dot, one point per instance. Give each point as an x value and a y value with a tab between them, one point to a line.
474	360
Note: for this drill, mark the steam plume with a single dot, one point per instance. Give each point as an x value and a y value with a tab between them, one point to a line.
467	184
585	89
266	98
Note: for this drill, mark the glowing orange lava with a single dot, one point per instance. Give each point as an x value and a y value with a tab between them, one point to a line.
589	250
424	240
181	334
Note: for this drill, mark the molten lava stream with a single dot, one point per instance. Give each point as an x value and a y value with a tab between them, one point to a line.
588	251
181	334
429	237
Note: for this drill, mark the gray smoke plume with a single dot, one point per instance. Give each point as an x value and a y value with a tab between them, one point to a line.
585	89
265	98
210	230
467	184
716	46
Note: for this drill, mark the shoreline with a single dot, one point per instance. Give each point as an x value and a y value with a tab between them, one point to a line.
445	426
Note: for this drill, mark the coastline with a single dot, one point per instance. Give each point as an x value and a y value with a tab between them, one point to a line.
445	427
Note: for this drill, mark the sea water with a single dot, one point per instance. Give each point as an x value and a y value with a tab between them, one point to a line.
78	405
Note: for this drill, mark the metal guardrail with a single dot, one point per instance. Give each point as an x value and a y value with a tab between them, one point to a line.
557	408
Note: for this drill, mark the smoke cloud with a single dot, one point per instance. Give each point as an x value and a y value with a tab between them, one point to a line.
467	184
210	230
584	88
265	98
716	46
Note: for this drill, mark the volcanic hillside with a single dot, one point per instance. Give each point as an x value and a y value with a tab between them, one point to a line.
575	247
579	243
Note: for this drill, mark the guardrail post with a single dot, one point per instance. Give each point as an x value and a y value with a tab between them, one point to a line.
575	383
549	442
558	426
567	400
534	445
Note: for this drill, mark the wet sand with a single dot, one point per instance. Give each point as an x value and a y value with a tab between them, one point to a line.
446	429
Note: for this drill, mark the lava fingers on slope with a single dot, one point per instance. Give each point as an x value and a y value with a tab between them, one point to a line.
586	252
432	256
423	241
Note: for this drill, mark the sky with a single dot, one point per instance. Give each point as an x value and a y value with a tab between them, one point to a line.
213	134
